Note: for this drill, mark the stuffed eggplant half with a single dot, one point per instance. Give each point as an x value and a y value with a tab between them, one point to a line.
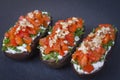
21	40
90	56
55	49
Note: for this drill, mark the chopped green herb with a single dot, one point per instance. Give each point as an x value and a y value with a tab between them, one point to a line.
42	31
110	43
102	58
74	62
32	35
6	40
51	55
79	32
50	29
4	48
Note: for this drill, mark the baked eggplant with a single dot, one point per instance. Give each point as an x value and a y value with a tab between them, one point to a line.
57	47
21	40
91	54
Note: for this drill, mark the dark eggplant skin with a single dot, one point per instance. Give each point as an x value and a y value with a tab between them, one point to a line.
101	69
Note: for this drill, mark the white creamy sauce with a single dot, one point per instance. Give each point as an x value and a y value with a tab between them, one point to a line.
21	48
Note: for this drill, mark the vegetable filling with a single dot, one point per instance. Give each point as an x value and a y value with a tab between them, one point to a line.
91	53
62	38
18	38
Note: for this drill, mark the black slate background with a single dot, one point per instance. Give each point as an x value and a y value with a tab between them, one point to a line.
93	12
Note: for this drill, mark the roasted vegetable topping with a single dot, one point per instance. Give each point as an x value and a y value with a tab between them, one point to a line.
62	36
94	47
26	30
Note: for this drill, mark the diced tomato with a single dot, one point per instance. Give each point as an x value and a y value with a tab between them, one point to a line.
13	42
44	41
100	50
45	21
28	48
88	38
23	34
88	68
57	26
112	36
65	47
77	55
18	40
48	49
70	39
31	31
27	40
93	56
106	39
72	28
31	21
61	52
83	61
38	16
12	31
56	46
80	23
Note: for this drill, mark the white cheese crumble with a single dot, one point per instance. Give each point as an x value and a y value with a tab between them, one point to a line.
95	42
83	47
25	23
74	19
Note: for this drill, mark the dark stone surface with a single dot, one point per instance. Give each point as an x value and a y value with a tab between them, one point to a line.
93	12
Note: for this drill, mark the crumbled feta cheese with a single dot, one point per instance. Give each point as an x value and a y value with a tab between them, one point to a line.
83	48
58	30
74	19
65	41
70	22
64	24
91	34
25	23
